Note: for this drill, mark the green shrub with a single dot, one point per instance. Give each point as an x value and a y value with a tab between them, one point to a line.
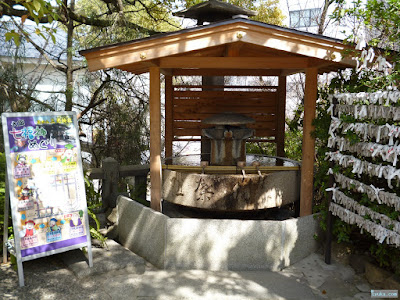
383	254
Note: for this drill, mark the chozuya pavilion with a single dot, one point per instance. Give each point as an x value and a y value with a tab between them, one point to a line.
230	45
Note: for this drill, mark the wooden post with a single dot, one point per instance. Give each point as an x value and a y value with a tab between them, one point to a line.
307	163
155	139
109	193
280	117
5	224
169	104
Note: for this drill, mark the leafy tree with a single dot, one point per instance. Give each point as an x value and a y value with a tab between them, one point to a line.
381	20
119	125
116	21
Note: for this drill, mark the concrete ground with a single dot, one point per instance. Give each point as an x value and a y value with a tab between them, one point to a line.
120	274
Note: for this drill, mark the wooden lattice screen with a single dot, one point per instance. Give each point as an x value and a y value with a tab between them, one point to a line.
191	104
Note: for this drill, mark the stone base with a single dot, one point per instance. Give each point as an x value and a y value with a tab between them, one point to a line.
211	244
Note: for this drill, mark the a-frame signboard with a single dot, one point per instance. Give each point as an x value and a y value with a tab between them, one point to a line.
45	185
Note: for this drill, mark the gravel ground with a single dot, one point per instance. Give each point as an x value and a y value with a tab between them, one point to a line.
121	275
47	278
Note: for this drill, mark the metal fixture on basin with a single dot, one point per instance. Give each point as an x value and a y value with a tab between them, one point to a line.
228	138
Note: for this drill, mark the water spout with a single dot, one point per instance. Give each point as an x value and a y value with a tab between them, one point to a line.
257	164
241	165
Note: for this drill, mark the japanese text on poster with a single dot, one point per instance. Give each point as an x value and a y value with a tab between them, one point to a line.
45	180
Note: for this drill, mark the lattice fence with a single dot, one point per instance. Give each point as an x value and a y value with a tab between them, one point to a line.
365	149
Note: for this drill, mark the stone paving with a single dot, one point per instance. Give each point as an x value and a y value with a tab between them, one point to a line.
119	274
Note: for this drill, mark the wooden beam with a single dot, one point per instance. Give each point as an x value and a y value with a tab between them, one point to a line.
155	139
300	44
307	163
149	49
166	72
229	169
233	50
235	62
291	72
225	72
168	117
280	118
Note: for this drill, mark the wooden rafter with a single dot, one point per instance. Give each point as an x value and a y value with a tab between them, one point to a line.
234	62
223	72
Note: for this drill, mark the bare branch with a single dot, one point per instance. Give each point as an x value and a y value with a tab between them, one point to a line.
38	101
93	103
107	23
40	50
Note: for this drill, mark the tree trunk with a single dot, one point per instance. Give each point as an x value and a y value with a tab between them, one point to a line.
69	92
322	20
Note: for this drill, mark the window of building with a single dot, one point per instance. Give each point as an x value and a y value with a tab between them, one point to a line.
304	18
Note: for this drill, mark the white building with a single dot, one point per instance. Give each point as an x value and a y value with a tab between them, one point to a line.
35	74
306	15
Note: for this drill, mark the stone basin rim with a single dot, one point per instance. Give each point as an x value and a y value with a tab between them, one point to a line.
248	156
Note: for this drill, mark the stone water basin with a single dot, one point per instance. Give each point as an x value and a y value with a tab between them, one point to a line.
233	192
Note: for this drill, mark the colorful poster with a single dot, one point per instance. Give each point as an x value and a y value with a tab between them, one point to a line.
45	177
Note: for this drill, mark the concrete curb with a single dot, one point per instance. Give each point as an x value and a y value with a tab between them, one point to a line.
214	244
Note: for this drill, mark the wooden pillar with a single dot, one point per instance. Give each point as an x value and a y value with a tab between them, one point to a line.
307	162
155	139
169	135
110	192
280	117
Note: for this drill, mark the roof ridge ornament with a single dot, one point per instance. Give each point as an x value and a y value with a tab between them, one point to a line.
213	11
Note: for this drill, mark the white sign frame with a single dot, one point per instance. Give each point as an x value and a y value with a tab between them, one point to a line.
74	164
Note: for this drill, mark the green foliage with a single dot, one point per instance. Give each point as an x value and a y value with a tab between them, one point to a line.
94	203
294	144
14	36
93	197
380	17
95	230
365	81
342	230
122	131
147	14
384	254
39	11
138	192
261	148
293	139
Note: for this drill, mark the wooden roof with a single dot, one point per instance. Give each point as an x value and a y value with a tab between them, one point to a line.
233	47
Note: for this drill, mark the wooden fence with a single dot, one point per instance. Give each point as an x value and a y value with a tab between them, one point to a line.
111	172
